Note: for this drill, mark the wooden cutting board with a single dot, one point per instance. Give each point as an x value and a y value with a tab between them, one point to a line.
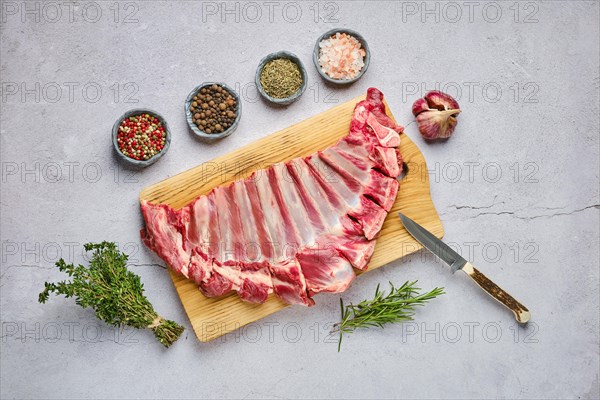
214	317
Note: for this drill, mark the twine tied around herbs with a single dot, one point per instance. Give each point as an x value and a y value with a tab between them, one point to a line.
156	322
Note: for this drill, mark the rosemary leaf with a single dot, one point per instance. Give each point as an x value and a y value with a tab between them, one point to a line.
114	292
396	306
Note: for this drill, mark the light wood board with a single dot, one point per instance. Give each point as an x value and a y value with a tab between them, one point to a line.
214	317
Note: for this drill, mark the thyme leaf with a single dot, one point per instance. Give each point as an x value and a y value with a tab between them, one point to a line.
384	308
115	293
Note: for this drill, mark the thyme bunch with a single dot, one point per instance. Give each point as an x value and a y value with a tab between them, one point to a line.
115	293
396	306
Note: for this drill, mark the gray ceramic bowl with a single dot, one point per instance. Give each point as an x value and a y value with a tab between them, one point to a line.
289	56
212	136
362	41
131	161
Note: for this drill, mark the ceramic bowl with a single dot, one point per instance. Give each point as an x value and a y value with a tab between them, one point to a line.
289	56
364	45
212	136
131	161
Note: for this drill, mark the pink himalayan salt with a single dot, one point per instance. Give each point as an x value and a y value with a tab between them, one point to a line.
341	56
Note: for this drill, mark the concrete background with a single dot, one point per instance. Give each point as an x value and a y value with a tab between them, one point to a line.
516	188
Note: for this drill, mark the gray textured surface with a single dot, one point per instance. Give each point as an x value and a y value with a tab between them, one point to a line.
535	232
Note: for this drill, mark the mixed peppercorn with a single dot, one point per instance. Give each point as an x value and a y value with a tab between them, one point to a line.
213	109
141	137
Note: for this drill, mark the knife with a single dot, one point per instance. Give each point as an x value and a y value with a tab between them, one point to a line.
456	262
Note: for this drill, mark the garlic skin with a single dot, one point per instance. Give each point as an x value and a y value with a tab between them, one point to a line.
436	115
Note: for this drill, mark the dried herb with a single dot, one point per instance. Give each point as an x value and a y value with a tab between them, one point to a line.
396	306
280	78
114	292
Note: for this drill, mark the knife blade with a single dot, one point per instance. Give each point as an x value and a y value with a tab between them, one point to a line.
457	262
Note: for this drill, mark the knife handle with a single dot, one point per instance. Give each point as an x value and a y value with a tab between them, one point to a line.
521	312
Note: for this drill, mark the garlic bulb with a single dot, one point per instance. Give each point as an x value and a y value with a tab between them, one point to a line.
436	115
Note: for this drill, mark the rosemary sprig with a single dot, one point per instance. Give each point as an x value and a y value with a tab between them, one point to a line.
396	306
114	292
